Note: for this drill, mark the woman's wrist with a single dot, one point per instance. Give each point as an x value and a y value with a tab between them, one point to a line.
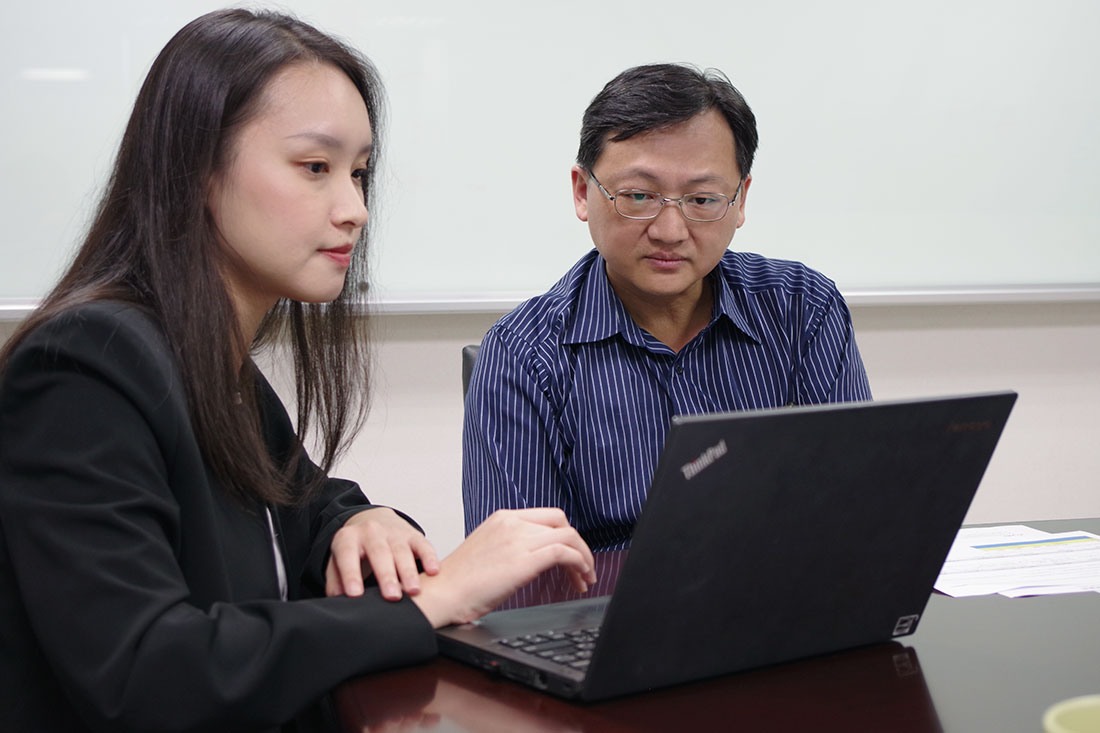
432	602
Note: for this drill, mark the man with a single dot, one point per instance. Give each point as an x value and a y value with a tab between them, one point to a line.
573	391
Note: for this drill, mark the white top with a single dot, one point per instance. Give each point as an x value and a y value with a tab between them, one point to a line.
280	567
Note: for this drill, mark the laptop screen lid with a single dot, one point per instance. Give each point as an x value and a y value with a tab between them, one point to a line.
773	535
779	534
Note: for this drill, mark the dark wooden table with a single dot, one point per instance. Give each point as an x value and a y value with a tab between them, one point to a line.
975	664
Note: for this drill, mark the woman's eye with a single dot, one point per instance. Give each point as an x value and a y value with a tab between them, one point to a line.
317	168
360	174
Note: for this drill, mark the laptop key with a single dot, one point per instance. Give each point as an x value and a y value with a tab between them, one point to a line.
563	647
536	648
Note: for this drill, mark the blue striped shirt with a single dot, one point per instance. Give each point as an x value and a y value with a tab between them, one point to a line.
570	400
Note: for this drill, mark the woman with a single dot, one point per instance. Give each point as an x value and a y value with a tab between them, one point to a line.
170	558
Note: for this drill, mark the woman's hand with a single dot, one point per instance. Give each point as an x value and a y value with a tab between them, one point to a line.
507	551
379	541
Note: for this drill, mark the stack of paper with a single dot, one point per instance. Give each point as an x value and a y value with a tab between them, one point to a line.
1016	560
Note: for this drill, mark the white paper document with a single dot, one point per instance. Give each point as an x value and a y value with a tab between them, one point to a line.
1016	560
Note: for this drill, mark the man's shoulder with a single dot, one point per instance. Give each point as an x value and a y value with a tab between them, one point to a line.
543	318
754	273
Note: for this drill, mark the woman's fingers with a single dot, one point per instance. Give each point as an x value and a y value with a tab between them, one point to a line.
424	550
379	542
566	548
507	551
403	573
549	516
340	579
382	562
333	586
577	568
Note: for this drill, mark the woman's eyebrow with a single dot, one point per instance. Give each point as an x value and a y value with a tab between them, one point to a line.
329	141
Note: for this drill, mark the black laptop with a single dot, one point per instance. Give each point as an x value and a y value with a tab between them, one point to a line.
767	536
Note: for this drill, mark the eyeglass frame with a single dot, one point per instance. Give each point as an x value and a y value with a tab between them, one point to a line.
662	200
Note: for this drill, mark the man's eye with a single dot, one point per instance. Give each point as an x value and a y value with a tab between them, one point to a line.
639	197
701	199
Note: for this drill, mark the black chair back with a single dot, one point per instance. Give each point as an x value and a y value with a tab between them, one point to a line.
469	356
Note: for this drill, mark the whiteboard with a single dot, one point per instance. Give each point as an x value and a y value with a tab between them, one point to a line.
940	147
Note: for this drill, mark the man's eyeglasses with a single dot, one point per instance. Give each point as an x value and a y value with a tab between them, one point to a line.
635	203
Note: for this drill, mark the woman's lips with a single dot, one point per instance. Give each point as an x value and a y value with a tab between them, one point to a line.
340	255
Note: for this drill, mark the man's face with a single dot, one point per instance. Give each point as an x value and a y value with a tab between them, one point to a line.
663	261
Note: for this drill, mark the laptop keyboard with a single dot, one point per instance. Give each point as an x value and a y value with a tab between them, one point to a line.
572	648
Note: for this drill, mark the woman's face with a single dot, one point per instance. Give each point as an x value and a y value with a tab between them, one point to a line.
289	208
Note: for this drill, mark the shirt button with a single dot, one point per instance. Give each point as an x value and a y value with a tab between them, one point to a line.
679	370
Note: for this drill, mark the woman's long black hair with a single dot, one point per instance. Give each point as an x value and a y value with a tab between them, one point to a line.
152	242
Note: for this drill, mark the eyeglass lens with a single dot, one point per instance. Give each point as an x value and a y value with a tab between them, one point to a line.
638	204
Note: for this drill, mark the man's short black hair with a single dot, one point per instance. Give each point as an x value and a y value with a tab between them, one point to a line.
655	96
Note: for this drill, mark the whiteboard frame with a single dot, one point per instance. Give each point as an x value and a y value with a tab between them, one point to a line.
16	309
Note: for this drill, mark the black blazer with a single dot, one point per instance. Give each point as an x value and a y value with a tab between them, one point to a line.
134	594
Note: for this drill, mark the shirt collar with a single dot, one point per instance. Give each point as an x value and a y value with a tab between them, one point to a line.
726	305
599	314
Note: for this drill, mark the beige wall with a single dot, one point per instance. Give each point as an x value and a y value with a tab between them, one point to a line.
1047	465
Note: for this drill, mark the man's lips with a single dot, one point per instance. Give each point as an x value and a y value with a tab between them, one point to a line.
664	260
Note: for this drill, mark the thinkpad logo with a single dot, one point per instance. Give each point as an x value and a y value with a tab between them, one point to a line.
709	456
906	624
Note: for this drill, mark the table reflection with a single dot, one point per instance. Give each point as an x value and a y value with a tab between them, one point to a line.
879	687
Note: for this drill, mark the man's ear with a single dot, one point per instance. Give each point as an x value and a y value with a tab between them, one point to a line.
741	201
580	191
